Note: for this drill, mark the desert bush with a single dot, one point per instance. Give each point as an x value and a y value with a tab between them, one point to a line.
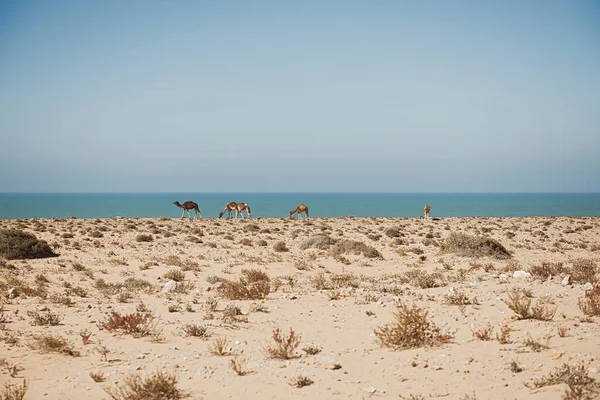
355	247
47	343
238	365
144	238
280	247
175	275
96	234
284	346
301	381
253	284
580	385
262	243
546	270
484	333
521	305
44	318
16	245
424	280
459	298
218	346
160	385
410	329
196	331
472	246
14	391
321	242
590	304
135	324
137	283
583	271
312	350
393	232
97	377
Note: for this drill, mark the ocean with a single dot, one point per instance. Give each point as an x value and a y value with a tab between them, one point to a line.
154	205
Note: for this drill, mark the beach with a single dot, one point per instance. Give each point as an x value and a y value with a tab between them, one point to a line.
212	292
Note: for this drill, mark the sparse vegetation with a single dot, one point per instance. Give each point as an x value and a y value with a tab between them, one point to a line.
301	381
160	385
521	305
473	246
411	328
580	385
19	245
284	346
135	324
253	284
14	391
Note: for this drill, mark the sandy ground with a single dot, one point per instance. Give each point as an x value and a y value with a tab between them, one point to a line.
334	302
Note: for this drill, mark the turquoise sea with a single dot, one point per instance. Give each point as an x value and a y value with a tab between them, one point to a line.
153	205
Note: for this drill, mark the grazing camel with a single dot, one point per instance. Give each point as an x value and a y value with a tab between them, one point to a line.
229	207
300	208
239	207
187	206
426	210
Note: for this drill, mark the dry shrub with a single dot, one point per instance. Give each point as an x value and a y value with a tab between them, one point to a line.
144	238
321	242
472	246
301	381
253	284
218	346
590	305
196	331
160	385
411	329
335	281
284	346
52	344
521	305
97	377
583	271
536	345
547	270
280	247
14	391
393	232
175	275
504	336
18	245
580	385
424	280
484	333
238	365
135	324
459	298
44	318
356	248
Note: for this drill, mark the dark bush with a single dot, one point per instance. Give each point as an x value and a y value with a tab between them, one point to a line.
15	244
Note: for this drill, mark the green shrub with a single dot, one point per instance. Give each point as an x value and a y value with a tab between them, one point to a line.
15	244
472	246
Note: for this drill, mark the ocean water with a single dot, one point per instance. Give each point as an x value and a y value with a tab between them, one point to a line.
153	205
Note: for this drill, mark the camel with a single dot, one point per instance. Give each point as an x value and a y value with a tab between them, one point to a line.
229	207
426	210
187	206
239	207
300	208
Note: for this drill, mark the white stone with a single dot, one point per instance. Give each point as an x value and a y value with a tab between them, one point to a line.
169	286
370	389
503	277
588	286
521	274
566	280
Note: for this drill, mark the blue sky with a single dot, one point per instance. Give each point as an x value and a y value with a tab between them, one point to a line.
359	96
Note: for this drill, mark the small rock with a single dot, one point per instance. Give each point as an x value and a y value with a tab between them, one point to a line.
593	370
140	356
370	389
521	274
588	286
566	280
503	277
169	286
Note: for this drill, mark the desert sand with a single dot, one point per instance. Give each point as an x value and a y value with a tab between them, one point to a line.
334	300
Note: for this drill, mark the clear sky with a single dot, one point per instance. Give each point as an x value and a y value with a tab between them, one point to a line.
323	95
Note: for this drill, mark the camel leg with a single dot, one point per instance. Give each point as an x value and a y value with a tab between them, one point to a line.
182	212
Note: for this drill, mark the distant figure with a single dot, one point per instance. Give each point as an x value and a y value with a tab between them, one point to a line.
301	208
229	207
187	206
426	209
